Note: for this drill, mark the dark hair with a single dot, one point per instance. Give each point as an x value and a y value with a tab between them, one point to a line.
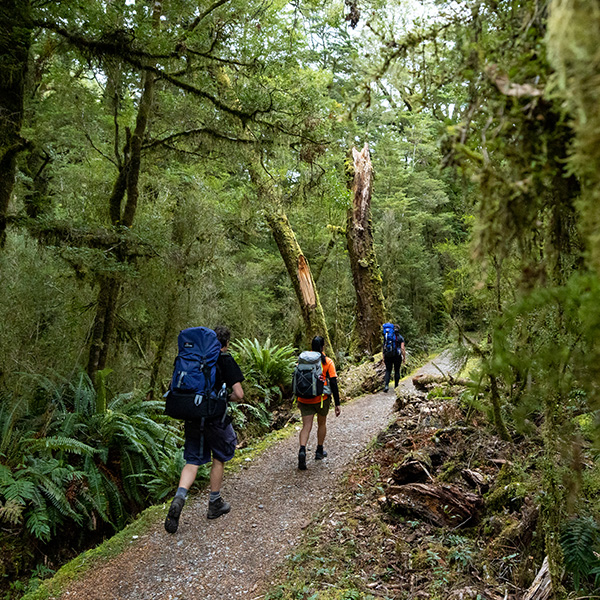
223	335
318	344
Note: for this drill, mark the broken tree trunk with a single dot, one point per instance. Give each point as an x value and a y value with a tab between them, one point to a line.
442	505
363	261
300	276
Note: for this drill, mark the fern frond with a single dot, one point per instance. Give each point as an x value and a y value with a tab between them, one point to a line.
580	541
62	444
38	524
12	512
20	490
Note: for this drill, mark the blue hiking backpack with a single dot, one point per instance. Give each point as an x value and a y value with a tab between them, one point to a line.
192	394
390	342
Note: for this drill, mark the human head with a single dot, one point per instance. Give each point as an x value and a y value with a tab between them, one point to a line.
318	344
223	335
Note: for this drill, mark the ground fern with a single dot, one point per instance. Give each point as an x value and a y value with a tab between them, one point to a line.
580	542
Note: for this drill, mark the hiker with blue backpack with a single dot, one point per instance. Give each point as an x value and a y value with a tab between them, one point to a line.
205	378
314	383
394	353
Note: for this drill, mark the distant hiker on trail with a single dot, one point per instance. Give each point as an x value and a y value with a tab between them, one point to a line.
394	353
315	381
210	437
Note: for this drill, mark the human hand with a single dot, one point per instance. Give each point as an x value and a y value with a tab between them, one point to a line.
338	411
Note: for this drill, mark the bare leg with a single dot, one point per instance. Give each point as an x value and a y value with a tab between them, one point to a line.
216	475
188	476
307	423
321	429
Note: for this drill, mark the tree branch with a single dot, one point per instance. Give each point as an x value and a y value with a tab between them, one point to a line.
207	12
198	131
134	58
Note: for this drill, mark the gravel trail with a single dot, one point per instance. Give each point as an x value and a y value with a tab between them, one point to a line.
236	555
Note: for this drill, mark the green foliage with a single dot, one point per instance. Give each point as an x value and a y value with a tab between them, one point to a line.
267	364
69	467
580	543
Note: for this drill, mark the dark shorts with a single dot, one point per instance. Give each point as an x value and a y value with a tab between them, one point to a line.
220	441
315	409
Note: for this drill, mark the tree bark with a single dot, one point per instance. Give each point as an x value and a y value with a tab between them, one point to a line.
363	260
300	275
15	41
126	183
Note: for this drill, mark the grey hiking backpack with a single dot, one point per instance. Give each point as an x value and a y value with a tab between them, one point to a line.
308	381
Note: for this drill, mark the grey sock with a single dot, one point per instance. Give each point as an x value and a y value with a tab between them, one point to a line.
181	493
214	496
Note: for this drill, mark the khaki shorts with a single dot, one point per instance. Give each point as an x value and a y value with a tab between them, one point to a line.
315	409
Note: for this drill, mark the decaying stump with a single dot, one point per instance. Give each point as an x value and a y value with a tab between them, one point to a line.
411	471
541	588
442	505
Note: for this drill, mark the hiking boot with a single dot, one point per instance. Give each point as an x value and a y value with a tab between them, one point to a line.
320	454
217	508
385	389
172	520
302	461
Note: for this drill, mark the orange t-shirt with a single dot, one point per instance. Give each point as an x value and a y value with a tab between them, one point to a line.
328	373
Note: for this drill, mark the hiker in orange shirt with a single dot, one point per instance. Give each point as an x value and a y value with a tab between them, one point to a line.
315	381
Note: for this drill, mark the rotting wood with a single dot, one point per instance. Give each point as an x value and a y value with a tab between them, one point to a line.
475	480
443	505
411	471
541	588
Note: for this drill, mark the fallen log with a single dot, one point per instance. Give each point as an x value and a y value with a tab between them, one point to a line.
443	505
426	381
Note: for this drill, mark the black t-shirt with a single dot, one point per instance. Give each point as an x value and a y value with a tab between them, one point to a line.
228	371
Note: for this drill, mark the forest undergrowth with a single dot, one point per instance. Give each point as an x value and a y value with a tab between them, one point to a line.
388	534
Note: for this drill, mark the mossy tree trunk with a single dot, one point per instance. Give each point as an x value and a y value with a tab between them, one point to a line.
300	275
15	41
126	189
363	260
573	31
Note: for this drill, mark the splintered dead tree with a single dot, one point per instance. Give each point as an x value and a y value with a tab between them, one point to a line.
300	276
363	260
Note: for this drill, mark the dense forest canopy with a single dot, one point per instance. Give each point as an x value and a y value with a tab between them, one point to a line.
171	163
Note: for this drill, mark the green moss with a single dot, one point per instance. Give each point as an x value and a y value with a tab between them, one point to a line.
510	496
